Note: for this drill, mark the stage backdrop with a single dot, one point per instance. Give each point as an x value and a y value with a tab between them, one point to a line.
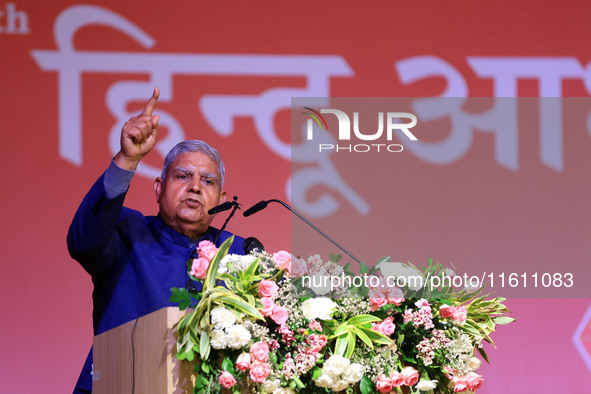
72	73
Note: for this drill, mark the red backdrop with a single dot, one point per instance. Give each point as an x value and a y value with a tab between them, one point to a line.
71	75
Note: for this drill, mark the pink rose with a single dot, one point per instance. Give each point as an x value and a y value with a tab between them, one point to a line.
227	380
259	371
377	303
267	288
243	361
388	326
410	375
279	314
460	314
384	384
283	260
446	311
299	267
260	351
317	342
397	379
207	250
460	384
385	327
199	268
268	306
474	381
396	301
315	325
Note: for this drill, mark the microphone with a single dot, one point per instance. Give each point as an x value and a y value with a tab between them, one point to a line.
263	204
251	244
221	208
259	206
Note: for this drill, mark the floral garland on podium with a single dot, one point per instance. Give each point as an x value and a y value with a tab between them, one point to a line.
255	328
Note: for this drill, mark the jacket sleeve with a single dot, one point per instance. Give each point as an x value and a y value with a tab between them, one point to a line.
93	239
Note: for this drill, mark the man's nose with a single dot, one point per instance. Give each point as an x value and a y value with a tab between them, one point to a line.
195	186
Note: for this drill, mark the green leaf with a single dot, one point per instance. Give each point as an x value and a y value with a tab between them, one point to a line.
204	345
361	320
212	270
483	354
299	383
502	320
377	337
341	330
364	337
363	269
228	365
181	296
366	385
205	368
340	345
316	372
240	305
351	339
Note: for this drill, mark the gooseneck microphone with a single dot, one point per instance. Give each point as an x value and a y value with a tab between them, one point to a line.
224	207
263	204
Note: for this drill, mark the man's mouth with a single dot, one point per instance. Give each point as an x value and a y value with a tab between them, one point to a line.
191	203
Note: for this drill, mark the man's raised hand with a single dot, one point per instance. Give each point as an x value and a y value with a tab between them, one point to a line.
138	135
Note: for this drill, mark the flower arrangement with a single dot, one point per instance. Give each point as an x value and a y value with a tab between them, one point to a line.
255	327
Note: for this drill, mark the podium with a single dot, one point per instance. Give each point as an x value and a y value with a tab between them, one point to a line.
138	357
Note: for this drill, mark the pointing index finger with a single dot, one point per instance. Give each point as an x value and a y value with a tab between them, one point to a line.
151	104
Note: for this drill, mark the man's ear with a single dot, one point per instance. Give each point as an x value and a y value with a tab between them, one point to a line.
222	198
158	188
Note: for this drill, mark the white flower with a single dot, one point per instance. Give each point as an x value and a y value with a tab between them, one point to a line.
324	381
239	262
414	278
318	283
222	318
474	363
218	339
318	308
336	365
271	385
340	386
426	385
353	373
284	390
238	336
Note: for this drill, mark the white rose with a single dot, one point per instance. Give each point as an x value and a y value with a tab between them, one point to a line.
353	373
218	339
324	381
474	363
222	318
271	385
336	365
340	386
318	308
426	385
238	336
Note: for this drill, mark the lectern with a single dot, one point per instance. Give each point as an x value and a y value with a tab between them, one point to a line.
138	357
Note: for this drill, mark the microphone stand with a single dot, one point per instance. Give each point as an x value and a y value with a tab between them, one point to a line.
307	222
235	207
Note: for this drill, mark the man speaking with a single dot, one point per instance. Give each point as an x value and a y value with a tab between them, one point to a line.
134	259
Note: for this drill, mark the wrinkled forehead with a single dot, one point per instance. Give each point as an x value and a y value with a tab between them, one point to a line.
195	163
